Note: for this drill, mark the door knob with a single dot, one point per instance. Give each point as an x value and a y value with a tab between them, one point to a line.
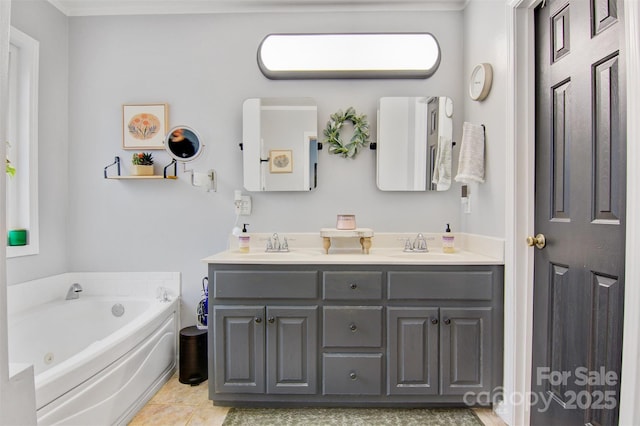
539	241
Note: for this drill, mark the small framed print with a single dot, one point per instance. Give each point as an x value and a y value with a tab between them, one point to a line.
144	126
281	161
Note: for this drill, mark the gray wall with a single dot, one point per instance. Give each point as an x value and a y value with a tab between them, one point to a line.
488	18
204	66
46	24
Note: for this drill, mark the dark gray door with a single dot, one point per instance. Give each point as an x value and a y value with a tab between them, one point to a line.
580	207
413	351
292	347
465	351
239	349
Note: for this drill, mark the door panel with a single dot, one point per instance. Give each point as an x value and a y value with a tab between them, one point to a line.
292	347
413	351
239	360
580	207
465	354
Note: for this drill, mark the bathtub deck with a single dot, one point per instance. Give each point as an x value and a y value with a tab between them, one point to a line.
177	404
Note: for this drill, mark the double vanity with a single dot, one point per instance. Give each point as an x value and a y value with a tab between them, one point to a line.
345	328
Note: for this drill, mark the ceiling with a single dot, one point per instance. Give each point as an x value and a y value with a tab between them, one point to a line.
162	7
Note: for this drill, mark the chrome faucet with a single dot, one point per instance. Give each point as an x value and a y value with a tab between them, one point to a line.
418	245
74	292
274	244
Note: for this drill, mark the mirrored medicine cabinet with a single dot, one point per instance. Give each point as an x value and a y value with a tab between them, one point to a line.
280	144
414	143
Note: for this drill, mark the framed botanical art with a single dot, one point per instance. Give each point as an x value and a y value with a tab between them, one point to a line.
144	126
281	161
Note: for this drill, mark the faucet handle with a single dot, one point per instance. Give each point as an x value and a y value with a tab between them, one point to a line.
285	245
420	243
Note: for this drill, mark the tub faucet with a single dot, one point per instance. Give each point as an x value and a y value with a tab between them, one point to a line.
74	291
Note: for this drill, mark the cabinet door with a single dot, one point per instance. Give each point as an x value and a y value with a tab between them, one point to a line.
466	354
413	351
292	347
239	349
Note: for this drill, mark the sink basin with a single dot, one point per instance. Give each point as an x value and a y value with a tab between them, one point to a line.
275	256
411	255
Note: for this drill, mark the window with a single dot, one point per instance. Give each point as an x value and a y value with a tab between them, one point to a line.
22	151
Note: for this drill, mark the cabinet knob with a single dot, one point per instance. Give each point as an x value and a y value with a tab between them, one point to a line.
447	321
353	327
353	375
434	321
258	320
354	286
271	320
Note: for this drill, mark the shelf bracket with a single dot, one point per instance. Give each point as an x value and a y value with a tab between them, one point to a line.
116	162
173	163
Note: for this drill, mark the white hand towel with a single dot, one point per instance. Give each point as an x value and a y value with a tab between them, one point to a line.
471	160
442	164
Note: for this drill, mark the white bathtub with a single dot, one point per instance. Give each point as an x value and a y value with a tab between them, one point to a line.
91	366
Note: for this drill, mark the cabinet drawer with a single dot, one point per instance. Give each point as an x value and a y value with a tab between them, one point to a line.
349	326
352	374
458	285
352	285
265	284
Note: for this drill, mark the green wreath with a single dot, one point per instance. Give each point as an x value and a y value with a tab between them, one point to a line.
360	132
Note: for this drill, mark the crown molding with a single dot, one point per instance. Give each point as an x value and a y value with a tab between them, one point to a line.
176	7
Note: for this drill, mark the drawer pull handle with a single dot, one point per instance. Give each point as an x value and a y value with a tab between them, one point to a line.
434	321
353	375
354	286
271	320
447	321
352	327
258	320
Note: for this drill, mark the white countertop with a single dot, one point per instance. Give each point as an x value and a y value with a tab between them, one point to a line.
387	249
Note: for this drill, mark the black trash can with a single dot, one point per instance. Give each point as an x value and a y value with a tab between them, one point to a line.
193	356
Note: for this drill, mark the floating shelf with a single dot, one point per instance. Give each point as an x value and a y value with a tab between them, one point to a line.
141	177
116	162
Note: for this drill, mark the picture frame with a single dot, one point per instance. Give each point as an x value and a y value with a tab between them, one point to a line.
144	126
281	161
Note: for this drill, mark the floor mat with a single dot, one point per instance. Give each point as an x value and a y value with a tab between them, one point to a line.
351	417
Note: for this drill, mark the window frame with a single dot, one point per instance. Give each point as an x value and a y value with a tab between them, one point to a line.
23	129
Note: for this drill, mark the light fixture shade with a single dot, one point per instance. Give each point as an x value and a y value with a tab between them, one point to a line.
358	55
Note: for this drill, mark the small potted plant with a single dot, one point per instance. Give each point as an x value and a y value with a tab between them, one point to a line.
142	164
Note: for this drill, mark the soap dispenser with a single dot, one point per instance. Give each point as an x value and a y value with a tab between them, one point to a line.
244	239
448	241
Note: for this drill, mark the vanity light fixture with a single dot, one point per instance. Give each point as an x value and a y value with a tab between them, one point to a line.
358	55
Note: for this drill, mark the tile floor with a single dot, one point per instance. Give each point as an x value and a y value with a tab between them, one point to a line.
177	404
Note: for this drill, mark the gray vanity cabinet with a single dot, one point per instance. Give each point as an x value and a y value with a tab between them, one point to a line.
366	335
281	339
413	335
450	347
465	350
240	348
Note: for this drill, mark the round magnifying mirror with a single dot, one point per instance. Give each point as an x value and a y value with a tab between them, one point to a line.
183	143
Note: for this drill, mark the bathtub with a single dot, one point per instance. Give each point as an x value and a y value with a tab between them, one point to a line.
99	358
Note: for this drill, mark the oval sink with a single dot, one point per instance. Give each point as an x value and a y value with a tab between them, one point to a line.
284	255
